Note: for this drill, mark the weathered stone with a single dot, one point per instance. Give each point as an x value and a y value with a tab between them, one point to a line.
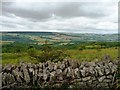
51	68
8	68
86	74
81	66
45	76
35	75
18	75
77	73
31	70
101	78
86	79
60	77
73	64
26	74
52	76
10	79
66	63
62	66
109	77
114	69
82	72
58	71
104	85
107	80
100	71
91	70
4	78
107	70
55	67
92	64
69	72
86	69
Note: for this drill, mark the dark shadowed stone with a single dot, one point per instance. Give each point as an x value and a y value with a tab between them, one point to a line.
104	85
17	74
35	74
10	79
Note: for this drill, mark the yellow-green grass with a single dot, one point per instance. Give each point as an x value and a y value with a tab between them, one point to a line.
16	58
92	54
81	55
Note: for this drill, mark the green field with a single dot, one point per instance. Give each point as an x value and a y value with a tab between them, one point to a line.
81	55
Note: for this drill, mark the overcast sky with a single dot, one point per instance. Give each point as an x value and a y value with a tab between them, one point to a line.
76	17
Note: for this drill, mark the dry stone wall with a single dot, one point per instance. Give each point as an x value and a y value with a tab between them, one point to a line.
65	74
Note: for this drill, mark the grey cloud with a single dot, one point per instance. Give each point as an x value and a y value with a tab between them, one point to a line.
31	13
68	17
39	12
76	9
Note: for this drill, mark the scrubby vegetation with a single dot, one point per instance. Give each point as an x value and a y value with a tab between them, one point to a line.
87	51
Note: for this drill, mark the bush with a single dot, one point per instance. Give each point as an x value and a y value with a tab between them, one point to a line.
54	55
82	47
32	52
48	53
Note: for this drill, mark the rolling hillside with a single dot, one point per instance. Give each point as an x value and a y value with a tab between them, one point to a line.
55	38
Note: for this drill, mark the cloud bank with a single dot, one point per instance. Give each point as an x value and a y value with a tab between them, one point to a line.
76	17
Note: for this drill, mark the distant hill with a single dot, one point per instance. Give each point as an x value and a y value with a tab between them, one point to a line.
56	38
